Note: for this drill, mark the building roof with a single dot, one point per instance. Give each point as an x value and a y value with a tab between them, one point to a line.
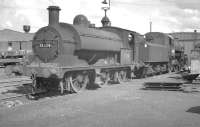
11	35
186	36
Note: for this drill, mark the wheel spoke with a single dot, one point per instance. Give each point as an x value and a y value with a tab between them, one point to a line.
104	78
61	85
122	76
116	77
79	83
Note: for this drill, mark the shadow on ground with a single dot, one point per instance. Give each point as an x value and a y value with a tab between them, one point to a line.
92	86
195	109
51	92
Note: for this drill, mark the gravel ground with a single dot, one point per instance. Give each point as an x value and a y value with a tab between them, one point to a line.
124	105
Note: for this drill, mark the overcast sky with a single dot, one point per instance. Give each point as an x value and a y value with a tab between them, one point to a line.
166	15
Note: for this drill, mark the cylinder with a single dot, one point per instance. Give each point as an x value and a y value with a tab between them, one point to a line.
53	15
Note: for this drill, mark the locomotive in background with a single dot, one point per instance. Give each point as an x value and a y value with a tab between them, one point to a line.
76	56
161	53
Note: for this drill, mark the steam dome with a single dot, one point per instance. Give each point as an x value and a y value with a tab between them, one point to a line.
81	20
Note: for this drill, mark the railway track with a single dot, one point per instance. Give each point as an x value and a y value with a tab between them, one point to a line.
13	87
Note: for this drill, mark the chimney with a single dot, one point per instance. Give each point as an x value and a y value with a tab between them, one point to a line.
53	15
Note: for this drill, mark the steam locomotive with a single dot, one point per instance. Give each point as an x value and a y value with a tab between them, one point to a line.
72	57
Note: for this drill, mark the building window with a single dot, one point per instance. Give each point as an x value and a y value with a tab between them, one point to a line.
9	46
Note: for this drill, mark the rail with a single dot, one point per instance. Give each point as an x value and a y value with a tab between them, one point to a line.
9	85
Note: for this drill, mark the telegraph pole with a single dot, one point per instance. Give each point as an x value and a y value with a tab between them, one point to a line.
150	23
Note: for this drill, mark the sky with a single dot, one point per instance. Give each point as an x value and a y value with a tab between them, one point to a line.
166	15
